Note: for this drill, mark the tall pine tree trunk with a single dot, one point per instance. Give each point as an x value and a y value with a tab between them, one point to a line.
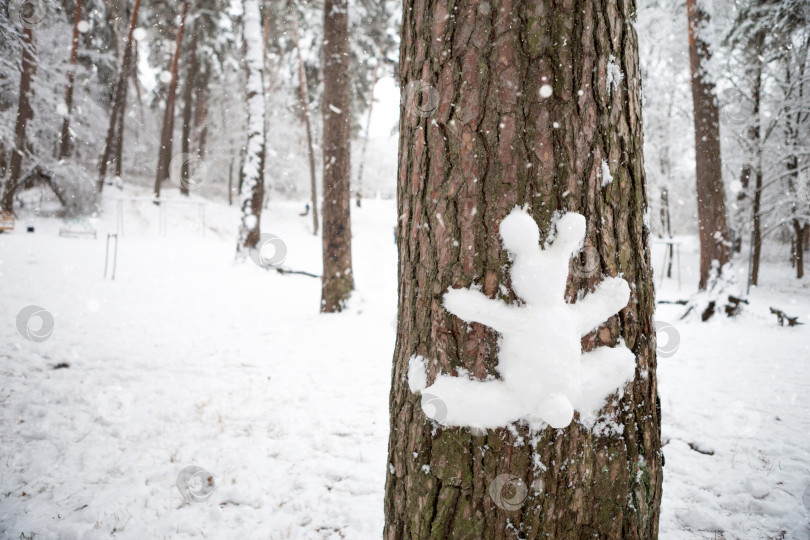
302	81
530	98
64	139
24	114
251	185
711	205
338	280
119	137
167	134
119	99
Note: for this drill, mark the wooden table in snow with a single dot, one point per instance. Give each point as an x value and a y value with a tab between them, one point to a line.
672	245
162	205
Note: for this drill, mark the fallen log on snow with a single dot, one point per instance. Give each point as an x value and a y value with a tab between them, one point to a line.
785	318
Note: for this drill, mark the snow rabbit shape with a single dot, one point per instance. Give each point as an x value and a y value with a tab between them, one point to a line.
544	375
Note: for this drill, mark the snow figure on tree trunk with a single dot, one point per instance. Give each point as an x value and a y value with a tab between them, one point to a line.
544	373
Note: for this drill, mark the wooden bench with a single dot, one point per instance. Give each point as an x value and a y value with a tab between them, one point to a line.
6	221
78	228
785	318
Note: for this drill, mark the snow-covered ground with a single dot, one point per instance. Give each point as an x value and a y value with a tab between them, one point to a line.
736	389
189	359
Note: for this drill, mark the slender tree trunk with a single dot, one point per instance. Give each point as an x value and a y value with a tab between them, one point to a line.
119	137
798	229
201	111
714	243
755	139
492	140
338	279
167	134
136	83
3	160
302	81
64	139
230	182
24	114
119	98
251	188
757	226
188	104
359	188
741	212
667	226
794	120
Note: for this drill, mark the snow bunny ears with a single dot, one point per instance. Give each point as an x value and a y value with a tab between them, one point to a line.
544	375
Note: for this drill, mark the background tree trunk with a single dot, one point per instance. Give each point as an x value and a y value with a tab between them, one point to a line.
119	135
251	185
479	138
711	205
201	108
166	136
119	99
302	81
359	187
188	104
24	114
338	280
64	139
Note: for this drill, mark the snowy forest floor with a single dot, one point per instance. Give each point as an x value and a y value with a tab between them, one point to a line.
187	358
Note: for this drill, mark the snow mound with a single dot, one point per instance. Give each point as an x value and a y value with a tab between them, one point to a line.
545	376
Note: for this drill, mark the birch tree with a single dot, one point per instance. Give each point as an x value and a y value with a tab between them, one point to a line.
251	192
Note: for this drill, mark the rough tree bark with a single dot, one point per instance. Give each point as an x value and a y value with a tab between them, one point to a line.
359	187
119	99
478	138
251	186
338	280
713	230
302	81
167	134
188	104
24	114
64	138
